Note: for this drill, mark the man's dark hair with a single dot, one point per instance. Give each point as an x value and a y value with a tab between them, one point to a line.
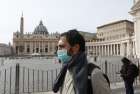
74	37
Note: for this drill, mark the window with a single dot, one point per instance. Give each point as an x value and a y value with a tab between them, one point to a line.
46	50
37	50
28	50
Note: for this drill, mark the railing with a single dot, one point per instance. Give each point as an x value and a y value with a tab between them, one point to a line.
23	80
113	72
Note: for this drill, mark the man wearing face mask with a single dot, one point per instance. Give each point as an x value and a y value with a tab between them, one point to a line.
72	78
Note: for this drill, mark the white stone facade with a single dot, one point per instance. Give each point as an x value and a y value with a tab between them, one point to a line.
113	39
135	12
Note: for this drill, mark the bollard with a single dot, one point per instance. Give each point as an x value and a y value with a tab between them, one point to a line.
5	82
106	67
17	79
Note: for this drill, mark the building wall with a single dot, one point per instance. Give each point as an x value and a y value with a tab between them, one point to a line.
31	44
117	40
5	50
135	12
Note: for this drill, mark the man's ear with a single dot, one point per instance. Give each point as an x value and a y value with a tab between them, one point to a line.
76	48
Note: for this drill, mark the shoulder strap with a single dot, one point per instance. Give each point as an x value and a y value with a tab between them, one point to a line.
91	67
107	79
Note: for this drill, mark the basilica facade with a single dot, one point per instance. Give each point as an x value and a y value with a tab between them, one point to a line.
38	42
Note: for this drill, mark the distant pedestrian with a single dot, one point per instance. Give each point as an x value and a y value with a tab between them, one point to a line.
129	72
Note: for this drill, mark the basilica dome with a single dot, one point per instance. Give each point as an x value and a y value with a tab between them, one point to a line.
41	29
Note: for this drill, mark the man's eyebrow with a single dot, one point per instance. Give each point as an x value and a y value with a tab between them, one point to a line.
60	45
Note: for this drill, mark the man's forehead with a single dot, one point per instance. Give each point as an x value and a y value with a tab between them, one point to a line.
62	40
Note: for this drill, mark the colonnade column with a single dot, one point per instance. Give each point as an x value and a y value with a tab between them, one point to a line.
111	50
116	49
105	50
102	50
96	51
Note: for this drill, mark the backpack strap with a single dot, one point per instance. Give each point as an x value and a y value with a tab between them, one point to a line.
107	79
91	68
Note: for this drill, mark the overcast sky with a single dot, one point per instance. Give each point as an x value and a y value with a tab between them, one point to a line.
60	15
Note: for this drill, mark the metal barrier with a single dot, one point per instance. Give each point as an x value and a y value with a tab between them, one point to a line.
23	80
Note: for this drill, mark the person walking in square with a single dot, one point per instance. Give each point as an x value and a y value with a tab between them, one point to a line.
129	72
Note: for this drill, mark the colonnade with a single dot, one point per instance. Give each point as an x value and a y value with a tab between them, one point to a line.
111	49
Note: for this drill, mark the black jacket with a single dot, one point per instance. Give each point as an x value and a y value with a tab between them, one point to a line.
128	72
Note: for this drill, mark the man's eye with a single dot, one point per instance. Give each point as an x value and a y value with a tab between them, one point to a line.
61	46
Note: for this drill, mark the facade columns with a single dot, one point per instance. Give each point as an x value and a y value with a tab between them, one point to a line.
43	51
116	49
39	46
114	46
98	50
111	49
109	46
48	47
25	48
95	50
53	48
107	50
35	47
122	49
102	50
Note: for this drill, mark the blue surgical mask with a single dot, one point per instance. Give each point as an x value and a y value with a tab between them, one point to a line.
63	56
